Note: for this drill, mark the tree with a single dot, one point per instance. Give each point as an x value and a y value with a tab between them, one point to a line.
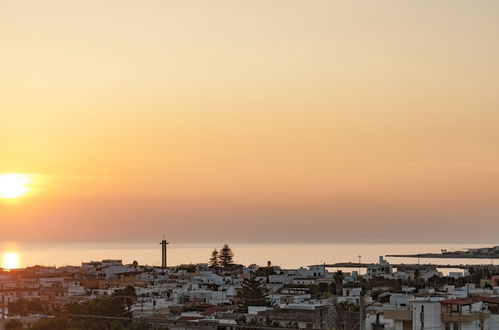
17	307
264	272
34	306
214	264
323	288
142	325
14	324
346	315
114	305
226	256
254	293
128	295
190	268
103	306
56	323
116	325
338	281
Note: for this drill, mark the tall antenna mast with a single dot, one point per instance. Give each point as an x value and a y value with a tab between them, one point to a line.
163	244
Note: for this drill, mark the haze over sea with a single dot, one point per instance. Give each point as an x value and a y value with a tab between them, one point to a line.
284	255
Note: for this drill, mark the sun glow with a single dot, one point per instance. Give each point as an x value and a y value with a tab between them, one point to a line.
11	260
13	185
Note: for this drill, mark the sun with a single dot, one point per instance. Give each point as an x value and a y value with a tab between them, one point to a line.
11	260
13	185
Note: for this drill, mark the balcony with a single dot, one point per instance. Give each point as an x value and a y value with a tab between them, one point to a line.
465	317
398	314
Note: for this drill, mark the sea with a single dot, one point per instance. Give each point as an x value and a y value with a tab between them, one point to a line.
284	255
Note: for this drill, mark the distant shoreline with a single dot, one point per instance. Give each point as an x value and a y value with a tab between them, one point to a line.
446	256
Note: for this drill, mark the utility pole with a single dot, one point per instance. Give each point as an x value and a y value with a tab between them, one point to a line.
359	267
153	296
2	319
348	321
362	312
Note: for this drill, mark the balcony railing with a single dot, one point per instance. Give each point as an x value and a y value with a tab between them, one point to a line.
465	317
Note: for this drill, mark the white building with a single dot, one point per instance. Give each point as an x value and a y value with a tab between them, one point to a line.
381	269
474	313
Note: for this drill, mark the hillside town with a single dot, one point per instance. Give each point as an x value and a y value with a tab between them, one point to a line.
222	294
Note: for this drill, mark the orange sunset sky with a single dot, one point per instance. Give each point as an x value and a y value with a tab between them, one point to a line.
251	121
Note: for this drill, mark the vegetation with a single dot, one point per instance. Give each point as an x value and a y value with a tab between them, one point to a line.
375	294
264	271
226	256
338	281
222	259
103	313
190	268
128	296
57	323
60	323
13	325
254	322
214	259
254	293
347	315
24	307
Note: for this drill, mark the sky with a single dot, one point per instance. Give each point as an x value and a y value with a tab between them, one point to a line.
251	121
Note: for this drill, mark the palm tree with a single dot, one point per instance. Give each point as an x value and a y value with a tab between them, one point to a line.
338	281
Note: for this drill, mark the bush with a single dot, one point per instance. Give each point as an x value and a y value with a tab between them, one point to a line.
14	325
57	323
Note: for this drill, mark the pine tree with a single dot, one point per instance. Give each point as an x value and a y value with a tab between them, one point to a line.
226	256
214	263
254	293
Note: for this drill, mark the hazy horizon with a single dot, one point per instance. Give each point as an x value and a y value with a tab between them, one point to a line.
216	243
233	121
285	255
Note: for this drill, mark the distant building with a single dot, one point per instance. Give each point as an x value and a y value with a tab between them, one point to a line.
381	269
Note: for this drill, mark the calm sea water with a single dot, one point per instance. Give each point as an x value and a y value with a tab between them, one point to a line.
285	255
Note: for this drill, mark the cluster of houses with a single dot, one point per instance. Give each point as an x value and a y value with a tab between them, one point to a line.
194	296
